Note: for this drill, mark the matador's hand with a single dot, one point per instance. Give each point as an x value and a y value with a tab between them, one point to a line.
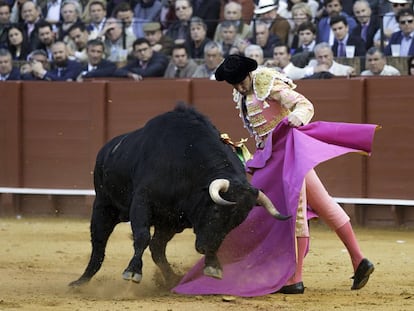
294	121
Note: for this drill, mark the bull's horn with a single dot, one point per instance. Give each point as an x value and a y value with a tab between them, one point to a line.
264	201
216	186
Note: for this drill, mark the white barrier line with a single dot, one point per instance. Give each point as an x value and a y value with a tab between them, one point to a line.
45	191
372	201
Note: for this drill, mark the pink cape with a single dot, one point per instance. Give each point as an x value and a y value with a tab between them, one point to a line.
258	257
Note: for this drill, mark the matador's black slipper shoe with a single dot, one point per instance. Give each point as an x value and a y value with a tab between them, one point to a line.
362	273
296	288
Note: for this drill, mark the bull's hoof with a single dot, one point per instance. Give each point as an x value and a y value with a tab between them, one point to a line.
78	283
213	272
131	276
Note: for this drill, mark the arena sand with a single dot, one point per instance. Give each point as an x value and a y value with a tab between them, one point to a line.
39	257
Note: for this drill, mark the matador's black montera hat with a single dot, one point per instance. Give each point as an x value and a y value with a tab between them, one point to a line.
235	68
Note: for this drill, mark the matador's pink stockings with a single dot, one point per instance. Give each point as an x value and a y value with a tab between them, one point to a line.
333	215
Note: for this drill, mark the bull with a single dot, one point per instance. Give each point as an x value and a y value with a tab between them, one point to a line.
172	174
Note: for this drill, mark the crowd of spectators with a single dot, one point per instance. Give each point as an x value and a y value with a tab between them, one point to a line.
74	40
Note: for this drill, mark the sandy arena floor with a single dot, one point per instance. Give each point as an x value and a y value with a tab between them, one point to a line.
39	257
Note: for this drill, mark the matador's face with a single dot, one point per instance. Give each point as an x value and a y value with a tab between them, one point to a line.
246	86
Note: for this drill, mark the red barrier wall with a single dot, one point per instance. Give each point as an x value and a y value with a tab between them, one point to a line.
62	131
50	132
131	104
390	170
10	133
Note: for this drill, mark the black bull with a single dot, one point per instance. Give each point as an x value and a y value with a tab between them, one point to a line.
174	173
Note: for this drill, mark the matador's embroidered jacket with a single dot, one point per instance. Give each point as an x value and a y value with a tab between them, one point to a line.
273	99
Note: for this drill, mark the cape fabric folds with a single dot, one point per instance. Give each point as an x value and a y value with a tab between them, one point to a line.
258	257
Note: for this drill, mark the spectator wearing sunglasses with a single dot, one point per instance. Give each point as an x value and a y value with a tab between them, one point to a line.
179	31
389	21
405	36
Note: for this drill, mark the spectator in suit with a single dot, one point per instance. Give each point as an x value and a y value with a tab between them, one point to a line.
247	8
146	11
63	69
340	28
233	13
307	37
125	14
209	12
79	37
97	66
265	39
4	22
158	41
367	25
46	37
255	52
301	13
181	65
36	56
376	64
213	56
198	35
179	31
71	11
97	16
389	21
324	63
405	36
307	42
118	45
7	71
31	17
281	60
146	62
17	42
230	40
333	8
266	11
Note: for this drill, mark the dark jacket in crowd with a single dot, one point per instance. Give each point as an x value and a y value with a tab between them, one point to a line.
352	41
396	38
14	75
373	27
155	67
70	71
104	69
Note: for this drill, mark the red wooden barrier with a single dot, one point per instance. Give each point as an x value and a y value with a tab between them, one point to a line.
10	133
10	142
62	131
50	132
131	104
390	103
